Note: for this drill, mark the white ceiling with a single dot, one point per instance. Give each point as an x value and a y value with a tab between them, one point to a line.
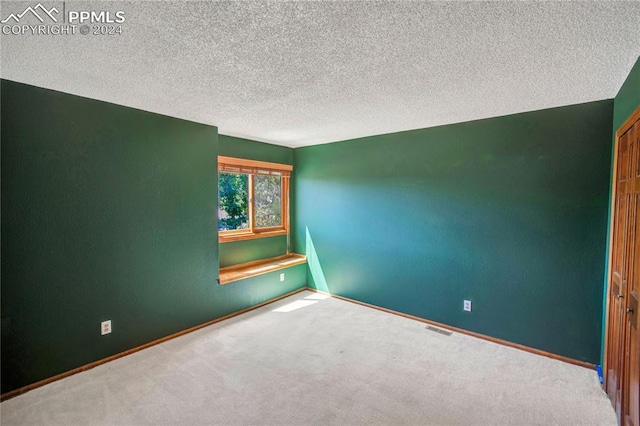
304	73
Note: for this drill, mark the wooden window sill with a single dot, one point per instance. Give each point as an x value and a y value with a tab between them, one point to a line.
250	236
259	267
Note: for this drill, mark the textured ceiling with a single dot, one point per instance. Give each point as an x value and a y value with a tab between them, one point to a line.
303	73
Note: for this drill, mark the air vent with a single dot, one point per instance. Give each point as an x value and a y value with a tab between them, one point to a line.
438	330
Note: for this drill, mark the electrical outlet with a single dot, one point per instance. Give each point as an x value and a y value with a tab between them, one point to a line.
466	305
105	327
282	277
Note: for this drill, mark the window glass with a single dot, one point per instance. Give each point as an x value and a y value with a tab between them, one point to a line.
268	201
233	207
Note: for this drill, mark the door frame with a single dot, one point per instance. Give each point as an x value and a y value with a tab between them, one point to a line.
628	123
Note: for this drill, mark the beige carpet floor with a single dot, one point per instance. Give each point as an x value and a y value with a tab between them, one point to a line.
308	359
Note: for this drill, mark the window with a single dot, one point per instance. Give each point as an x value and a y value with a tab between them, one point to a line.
253	199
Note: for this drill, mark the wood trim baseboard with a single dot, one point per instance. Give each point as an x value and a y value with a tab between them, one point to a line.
12	394
462	331
27	388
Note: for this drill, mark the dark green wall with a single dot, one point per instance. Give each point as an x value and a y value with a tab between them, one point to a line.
625	102
628	97
107	213
238	252
252	150
509	212
247	251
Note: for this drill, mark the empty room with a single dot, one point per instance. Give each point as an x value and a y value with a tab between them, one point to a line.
292	213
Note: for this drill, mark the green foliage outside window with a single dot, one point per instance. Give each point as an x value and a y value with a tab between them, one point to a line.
267	192
233	201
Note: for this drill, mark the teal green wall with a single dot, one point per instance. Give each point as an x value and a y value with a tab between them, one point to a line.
625	102
509	212
249	250
107	213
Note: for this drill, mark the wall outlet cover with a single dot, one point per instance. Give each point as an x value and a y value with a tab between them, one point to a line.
466	305
105	327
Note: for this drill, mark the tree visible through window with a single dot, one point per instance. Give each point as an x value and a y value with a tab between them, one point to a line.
268	201
233	209
252	198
